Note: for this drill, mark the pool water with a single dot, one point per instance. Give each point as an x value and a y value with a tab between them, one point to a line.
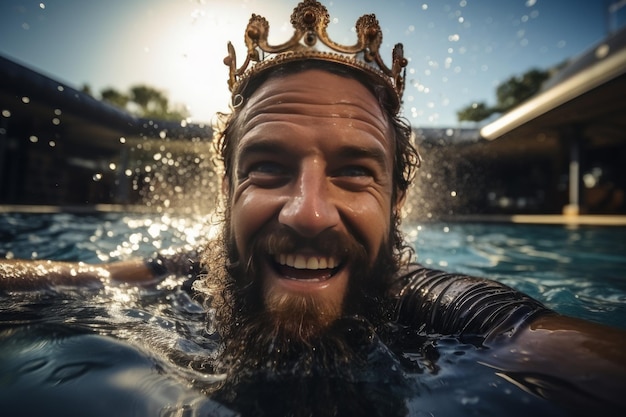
578	271
146	351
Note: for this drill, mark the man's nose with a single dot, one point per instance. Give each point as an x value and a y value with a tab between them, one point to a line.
309	209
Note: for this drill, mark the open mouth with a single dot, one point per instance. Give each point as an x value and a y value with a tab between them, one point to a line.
306	267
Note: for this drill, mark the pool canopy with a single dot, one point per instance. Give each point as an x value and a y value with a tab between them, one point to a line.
588	95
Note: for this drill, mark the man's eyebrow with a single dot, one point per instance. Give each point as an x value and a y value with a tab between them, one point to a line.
378	155
356	152
260	147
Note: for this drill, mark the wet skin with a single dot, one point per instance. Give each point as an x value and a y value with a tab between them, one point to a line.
314	156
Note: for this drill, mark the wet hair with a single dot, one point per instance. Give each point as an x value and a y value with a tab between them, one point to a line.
228	286
406	157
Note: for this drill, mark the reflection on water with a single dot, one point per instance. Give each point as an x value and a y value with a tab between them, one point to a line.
576	271
141	351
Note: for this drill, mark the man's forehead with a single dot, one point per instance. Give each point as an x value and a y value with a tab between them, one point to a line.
316	94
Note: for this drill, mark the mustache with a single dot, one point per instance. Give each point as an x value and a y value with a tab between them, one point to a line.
282	239
278	238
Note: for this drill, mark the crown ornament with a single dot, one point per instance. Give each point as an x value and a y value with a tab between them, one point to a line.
310	41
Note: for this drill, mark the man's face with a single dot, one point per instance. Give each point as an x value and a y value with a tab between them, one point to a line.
311	189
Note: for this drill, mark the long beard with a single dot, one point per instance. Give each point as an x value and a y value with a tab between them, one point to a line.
322	359
346	371
264	329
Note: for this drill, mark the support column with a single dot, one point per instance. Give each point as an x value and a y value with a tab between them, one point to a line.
3	155
573	206
122	195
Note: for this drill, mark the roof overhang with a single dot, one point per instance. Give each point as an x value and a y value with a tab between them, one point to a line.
595	95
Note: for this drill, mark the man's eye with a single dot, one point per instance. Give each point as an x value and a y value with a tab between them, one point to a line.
354	171
353	177
266	168
267	174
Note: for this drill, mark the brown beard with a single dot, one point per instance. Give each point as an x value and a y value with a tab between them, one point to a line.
257	331
344	371
288	348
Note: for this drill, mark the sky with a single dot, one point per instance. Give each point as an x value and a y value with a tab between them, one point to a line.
459	51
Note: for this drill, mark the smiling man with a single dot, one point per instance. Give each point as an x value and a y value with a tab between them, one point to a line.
313	204
311	193
317	164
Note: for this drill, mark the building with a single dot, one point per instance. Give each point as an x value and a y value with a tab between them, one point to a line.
60	146
563	151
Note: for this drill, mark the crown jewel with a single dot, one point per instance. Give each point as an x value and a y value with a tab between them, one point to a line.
310	20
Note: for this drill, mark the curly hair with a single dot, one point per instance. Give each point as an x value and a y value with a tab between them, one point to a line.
222	291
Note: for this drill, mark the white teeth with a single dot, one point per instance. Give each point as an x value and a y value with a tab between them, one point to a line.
300	262
306	262
312	263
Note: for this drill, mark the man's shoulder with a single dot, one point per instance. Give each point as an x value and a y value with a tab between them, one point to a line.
458	304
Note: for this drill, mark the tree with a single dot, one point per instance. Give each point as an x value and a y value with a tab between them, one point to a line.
474	112
114	97
509	94
151	101
145	101
518	89
86	88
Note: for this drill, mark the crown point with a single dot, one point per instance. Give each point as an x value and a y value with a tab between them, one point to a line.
309	17
253	33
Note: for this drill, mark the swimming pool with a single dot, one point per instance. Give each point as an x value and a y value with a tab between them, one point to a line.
145	351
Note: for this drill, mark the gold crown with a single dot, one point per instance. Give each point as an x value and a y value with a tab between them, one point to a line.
310	20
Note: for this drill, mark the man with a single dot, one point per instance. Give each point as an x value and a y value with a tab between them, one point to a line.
317	164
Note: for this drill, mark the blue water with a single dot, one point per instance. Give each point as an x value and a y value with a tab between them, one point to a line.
129	351
578	271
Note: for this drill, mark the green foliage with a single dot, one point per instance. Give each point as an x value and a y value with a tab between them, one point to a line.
474	112
86	88
518	89
509	94
114	97
145	101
